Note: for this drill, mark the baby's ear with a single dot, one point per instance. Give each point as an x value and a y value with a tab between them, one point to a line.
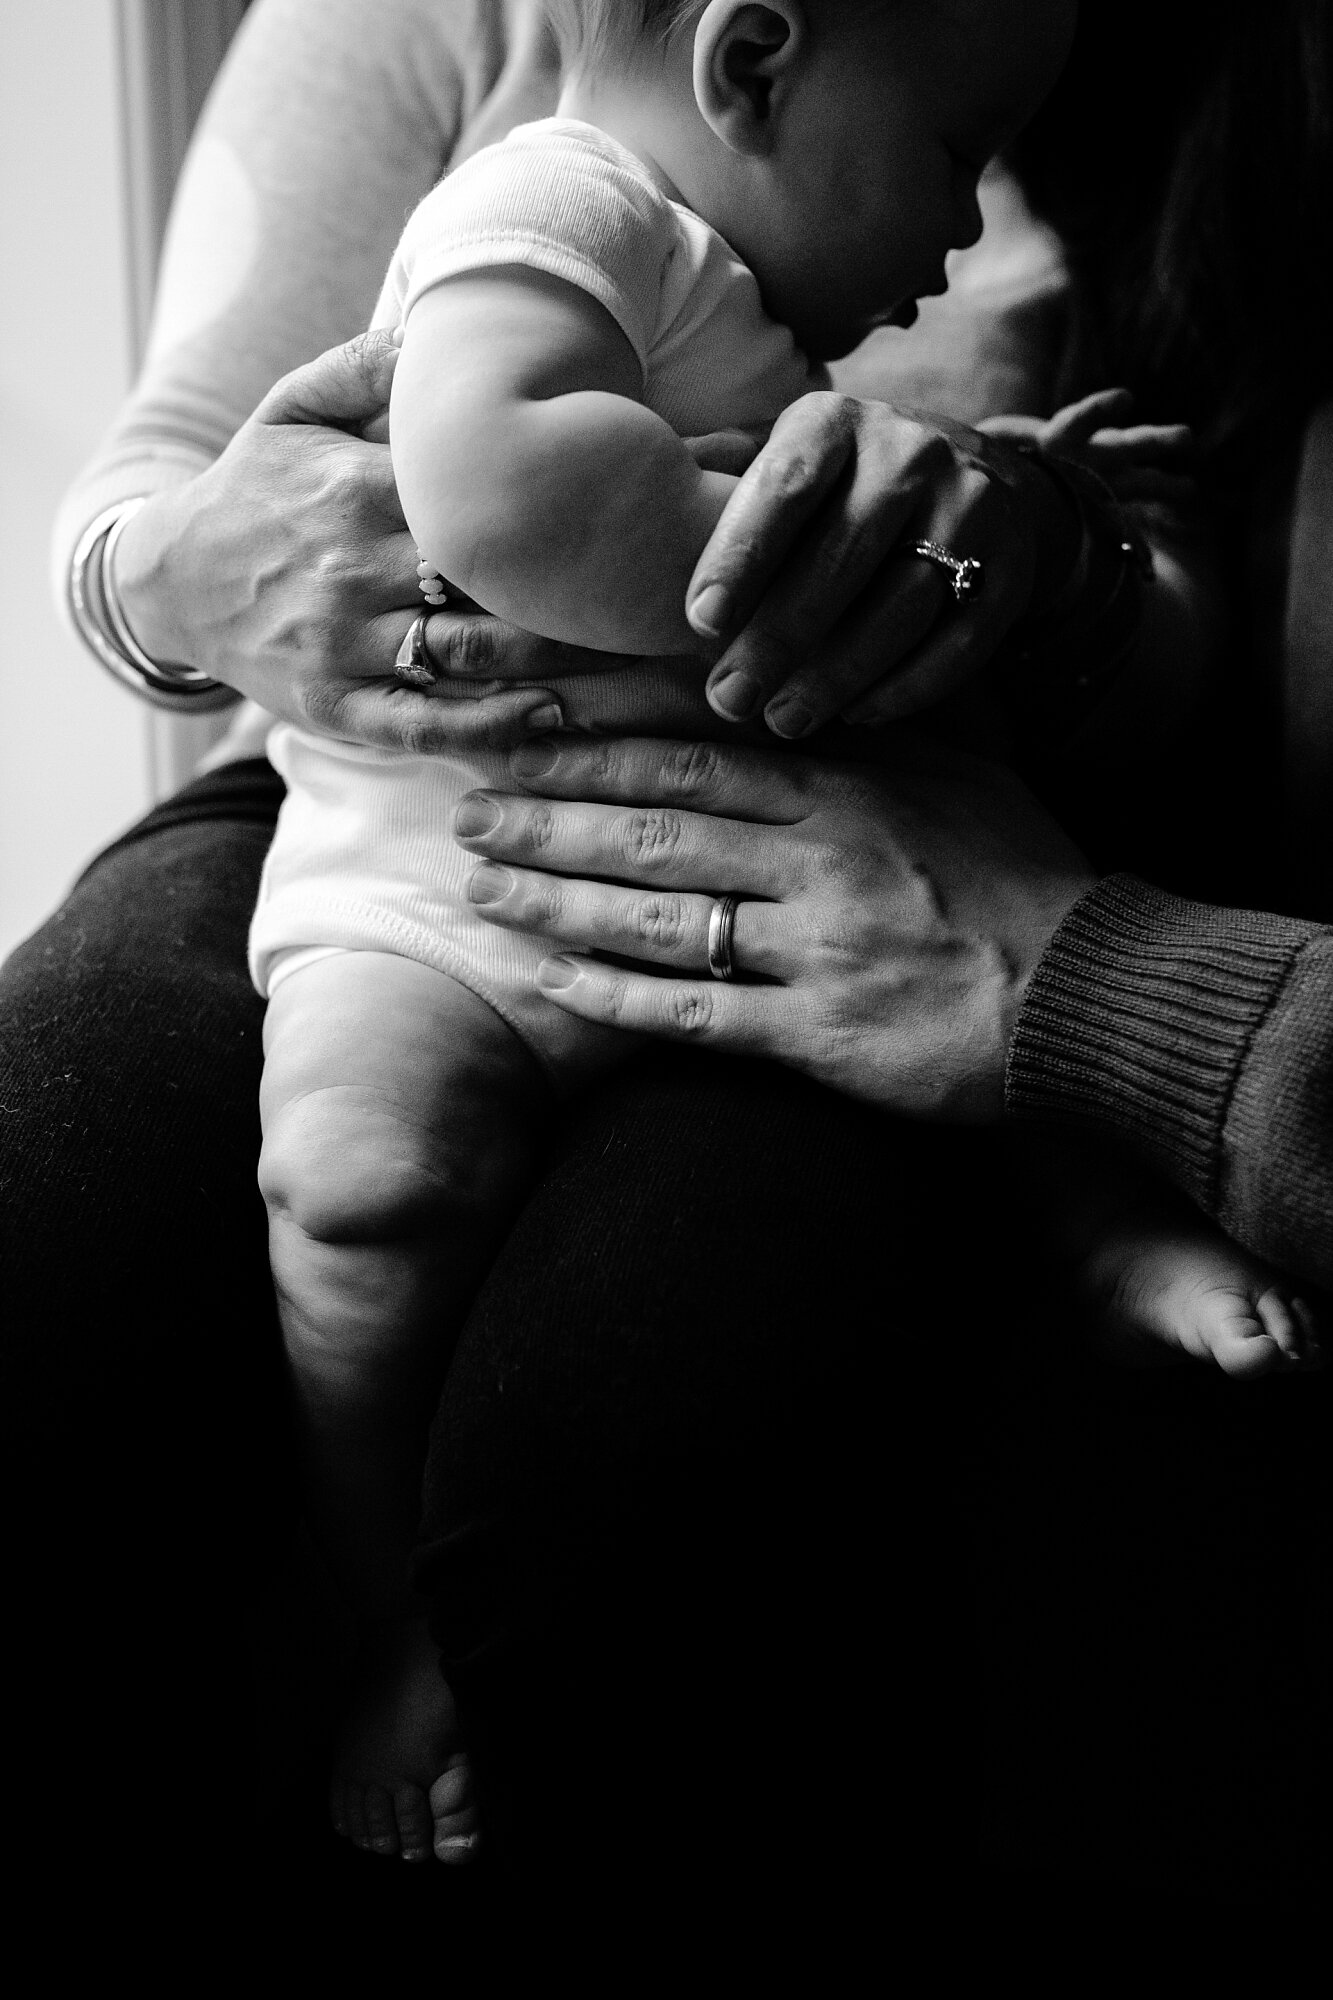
746	55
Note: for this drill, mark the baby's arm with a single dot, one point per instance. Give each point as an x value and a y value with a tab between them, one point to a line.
534	477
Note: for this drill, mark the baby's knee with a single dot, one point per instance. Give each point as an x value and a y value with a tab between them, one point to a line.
342	1168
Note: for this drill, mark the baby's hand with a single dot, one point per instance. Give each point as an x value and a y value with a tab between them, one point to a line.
1139	462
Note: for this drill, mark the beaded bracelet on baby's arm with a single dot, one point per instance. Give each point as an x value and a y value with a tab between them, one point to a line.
99	618
1060	661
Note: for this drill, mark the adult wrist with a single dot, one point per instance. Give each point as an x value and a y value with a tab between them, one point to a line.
1084	619
1138	1018
101	620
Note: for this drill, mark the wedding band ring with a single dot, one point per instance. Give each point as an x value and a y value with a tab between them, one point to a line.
965	572
414	664
721	930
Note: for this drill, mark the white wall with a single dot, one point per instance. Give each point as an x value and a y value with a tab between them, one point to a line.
73	745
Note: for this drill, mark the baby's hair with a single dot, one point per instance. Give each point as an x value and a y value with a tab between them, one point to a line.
595	31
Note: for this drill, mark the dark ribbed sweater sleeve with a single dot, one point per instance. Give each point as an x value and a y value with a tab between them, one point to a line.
1202	1038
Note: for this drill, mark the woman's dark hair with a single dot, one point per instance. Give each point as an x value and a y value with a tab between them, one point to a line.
1186	157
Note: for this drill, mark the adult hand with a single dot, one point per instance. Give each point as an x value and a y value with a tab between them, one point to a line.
287	572
895	914
809	582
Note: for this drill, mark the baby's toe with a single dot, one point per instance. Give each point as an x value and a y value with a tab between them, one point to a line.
1248	1337
1281	1325
415	1830
381	1822
1291	1325
454	1814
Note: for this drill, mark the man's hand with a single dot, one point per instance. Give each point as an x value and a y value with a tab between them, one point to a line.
889	920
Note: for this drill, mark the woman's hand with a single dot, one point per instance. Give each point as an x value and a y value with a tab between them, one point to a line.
286	571
810	584
893	915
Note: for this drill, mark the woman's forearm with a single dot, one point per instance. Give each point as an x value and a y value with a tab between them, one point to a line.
1203	1040
290	202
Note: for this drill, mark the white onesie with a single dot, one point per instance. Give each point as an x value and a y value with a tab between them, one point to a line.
364	857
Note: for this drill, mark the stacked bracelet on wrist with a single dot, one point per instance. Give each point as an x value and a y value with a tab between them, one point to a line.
1060	660
99	618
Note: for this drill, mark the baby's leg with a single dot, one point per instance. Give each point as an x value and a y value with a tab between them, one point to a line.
1158	1276
399	1113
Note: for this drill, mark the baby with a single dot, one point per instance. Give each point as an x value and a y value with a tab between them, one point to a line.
732	194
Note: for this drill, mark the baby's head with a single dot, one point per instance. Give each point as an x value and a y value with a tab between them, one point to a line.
835	143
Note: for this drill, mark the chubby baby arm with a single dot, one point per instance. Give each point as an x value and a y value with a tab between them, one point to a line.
532	475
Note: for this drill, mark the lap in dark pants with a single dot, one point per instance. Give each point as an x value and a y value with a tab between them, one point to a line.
693	1508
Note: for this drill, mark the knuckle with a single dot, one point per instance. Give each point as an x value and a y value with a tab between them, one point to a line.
540	826
842	939
465	646
326	569
601	760
660	921
652	835
690	768
785	473
690	1009
615	1000
829	861
541	904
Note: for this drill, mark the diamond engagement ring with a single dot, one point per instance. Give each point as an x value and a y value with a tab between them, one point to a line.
721	929
965	572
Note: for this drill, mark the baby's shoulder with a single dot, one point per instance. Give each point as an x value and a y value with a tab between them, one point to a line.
555	179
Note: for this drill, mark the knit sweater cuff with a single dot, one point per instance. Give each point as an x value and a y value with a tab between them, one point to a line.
1138	1019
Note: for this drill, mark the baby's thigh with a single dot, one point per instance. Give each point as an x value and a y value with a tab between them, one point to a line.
394	1102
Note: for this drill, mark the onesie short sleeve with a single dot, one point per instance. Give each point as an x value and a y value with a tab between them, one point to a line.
556	196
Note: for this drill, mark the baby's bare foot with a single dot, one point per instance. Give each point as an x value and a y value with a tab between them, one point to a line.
1192	1289
401	1782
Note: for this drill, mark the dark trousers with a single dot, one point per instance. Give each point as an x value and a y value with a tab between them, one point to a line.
771	1518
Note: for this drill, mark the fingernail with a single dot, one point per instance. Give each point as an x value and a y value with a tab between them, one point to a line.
709	610
557	973
458	1845
551	716
475	817
736	696
534	760
790	720
489	884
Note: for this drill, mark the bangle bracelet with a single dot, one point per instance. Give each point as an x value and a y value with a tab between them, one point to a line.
100	621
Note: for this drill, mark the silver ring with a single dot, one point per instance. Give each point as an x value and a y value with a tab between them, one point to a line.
414	664
966	575
721	930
